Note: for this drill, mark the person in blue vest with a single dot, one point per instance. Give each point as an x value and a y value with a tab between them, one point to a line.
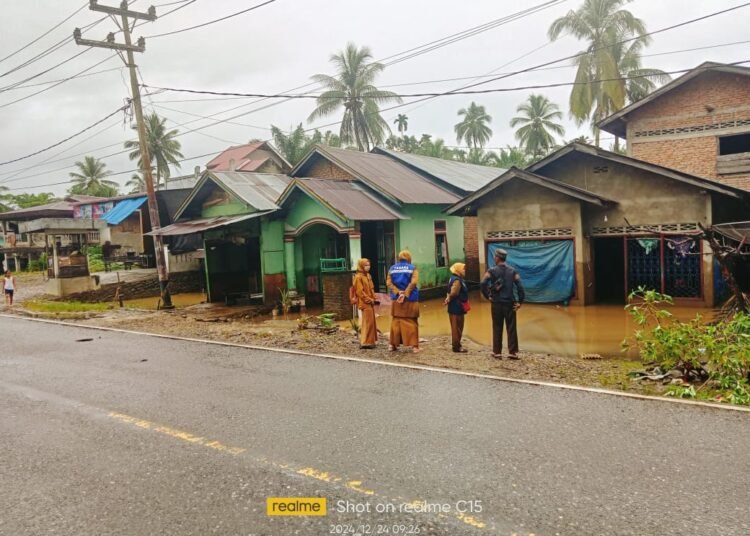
457	300
402	282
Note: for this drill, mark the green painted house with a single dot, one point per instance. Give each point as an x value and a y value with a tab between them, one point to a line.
304	231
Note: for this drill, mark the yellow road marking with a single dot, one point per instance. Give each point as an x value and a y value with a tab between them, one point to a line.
310	472
184	436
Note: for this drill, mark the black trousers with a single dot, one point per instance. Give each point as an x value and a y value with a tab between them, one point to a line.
504	313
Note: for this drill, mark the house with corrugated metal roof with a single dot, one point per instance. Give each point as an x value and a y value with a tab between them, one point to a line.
255	157
585	225
303	232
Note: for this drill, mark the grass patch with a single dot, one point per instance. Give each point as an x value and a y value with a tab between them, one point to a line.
64	307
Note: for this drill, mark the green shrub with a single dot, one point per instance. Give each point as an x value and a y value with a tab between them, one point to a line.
721	349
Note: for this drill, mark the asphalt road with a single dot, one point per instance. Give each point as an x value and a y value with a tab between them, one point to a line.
137	435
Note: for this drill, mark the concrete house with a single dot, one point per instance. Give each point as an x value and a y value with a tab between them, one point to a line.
699	123
587	226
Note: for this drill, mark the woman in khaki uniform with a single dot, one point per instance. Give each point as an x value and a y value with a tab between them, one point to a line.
402	282
365	291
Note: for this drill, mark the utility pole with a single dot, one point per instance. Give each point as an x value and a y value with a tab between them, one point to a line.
129	48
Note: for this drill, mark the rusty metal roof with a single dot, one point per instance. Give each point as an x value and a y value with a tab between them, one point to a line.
243	157
467	177
347	198
383	174
204	224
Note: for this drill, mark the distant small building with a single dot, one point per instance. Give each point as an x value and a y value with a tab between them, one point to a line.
699	123
18	248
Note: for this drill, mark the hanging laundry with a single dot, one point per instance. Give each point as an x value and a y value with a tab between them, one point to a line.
648	244
681	247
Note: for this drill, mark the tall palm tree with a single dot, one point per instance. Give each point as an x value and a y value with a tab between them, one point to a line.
474	127
352	89
89	180
537	125
136	183
599	91
402	123
163	148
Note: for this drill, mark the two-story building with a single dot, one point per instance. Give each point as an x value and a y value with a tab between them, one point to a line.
699	123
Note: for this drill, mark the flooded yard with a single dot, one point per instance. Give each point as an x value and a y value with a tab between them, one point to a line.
546	329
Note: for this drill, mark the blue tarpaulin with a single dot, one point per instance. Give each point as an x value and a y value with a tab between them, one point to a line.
122	210
547	268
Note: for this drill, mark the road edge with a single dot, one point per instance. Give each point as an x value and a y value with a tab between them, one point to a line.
412	366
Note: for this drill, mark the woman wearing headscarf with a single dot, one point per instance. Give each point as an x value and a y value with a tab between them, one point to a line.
457	297
402	283
365	291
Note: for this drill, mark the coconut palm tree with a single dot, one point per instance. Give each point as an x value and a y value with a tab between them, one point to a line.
599	90
294	145
352	89
537	125
89	180
513	156
474	127
402	123
136	183
163	148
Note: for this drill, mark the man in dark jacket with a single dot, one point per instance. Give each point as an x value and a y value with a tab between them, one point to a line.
497	286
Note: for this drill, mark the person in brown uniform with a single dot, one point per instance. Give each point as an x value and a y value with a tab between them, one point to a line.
457	301
365	291
402	282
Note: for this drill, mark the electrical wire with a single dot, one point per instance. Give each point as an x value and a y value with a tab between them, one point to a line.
442	93
212	21
100	121
45	34
97	64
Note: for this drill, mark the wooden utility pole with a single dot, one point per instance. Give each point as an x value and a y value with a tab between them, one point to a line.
129	48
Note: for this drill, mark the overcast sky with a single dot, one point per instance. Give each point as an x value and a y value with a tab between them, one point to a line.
276	48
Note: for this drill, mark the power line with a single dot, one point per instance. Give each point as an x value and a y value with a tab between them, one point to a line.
56	26
437	94
212	21
97	64
61	79
120	109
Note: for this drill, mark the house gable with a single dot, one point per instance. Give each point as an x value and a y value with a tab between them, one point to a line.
210	198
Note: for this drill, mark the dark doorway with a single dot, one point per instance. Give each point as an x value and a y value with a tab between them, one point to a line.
378	245
609	270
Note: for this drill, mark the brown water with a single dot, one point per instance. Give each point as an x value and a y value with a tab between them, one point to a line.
178	300
553	329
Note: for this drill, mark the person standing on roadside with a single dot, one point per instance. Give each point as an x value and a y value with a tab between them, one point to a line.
498	286
365	292
402	282
457	301
9	287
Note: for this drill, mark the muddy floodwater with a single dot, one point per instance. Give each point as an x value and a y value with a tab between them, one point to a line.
553	329
549	329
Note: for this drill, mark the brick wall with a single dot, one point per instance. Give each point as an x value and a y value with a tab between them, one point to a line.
707	100
336	294
324	169
179	283
471	248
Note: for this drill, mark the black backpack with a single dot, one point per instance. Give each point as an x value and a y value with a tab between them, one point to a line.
497	281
